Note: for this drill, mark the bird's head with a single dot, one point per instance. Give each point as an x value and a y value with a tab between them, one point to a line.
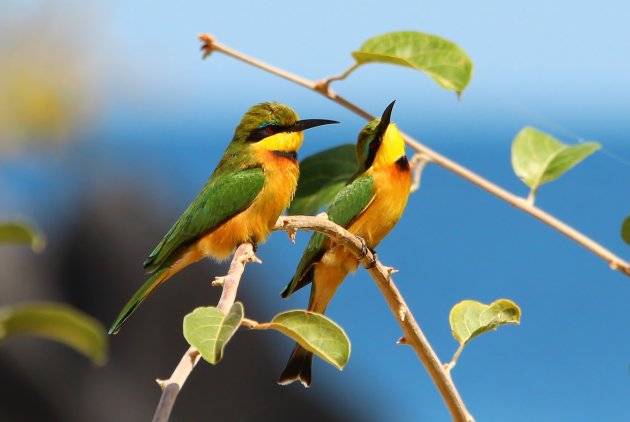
274	127
380	143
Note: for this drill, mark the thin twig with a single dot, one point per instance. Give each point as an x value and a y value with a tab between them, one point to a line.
413	335
324	85
615	262
417	163
171	386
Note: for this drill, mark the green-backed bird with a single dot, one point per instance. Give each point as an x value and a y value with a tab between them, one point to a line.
369	206
254	181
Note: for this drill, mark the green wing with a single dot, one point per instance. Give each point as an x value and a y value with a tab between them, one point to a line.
348	204
222	197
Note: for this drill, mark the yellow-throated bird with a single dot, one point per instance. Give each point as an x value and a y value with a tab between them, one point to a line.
369	207
254	181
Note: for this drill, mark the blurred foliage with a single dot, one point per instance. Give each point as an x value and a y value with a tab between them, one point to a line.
58	322
22	233
322	176
47	89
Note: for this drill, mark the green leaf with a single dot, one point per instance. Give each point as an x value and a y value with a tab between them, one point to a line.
539	158
444	61
208	329
58	322
20	233
470	318
315	332
625	230
322	175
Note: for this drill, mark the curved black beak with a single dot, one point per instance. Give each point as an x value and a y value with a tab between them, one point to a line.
301	125
385	119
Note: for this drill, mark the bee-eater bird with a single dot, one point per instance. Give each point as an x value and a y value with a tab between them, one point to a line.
369	206
254	181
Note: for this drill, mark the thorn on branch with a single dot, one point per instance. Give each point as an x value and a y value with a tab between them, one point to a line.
163	383
249	256
218	281
401	340
390	271
322	215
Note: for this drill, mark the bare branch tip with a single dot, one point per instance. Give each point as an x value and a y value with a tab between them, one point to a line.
208	44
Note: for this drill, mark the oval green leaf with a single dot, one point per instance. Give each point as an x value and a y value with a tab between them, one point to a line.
315	332
470	318
208	329
539	158
20	233
58	322
625	230
442	60
322	175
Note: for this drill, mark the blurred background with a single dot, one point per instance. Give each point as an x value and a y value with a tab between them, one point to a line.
110	123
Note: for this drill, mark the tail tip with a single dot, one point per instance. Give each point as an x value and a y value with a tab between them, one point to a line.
290	379
298	368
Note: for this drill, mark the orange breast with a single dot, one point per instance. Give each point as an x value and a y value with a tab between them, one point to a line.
391	193
255	223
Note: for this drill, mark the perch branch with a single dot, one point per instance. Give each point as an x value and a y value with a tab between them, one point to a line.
413	335
171	386
322	87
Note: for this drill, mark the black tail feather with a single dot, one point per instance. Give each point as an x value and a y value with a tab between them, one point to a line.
298	367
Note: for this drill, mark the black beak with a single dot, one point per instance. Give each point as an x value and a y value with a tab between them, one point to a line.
301	125
385	118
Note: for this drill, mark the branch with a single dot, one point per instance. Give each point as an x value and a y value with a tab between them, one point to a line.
381	274
171	386
615	262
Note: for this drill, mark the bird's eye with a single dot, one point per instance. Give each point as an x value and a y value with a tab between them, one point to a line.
270	129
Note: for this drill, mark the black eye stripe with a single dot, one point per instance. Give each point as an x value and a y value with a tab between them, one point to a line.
261	133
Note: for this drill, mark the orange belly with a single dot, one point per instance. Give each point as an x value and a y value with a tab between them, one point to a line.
391	194
255	223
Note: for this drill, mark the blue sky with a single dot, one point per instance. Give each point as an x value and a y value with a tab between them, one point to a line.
560	66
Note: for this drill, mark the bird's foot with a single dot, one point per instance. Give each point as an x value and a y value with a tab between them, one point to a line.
364	252
372	263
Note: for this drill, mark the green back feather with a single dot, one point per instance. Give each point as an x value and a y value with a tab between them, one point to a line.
233	186
349	203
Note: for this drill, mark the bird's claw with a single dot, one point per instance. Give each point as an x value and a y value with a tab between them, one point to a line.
364	252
